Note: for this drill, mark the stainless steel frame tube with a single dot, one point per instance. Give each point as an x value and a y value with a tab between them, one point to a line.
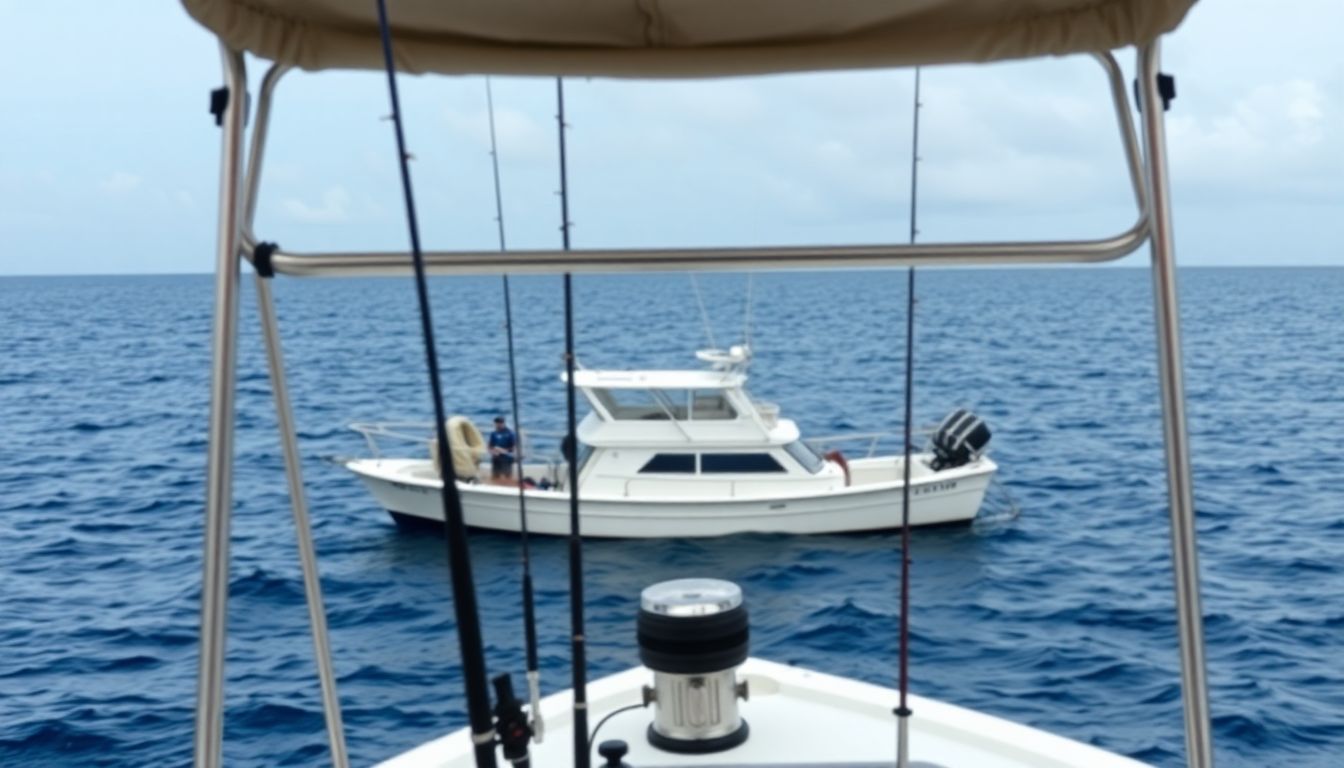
284	415
1185	554
219	461
312	580
257	152
1128	138
670	259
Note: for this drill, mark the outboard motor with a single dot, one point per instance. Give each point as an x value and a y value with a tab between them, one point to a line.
960	439
693	635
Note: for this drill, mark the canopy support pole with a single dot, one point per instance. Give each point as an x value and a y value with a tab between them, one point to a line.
312	579
284	416
219	457
1185	554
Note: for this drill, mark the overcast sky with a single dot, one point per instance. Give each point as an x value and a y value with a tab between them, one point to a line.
110	159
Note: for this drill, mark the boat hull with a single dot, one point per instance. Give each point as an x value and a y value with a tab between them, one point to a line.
950	496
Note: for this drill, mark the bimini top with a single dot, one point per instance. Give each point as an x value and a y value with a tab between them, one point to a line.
678	38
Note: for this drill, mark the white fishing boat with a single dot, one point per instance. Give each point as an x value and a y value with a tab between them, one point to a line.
688	453
693	637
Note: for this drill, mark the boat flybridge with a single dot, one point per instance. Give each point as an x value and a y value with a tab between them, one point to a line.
711	703
689	453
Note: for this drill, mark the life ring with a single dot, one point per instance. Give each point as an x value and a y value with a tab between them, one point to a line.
839	458
468	447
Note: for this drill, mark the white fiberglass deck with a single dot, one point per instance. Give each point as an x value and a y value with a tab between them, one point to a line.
796	717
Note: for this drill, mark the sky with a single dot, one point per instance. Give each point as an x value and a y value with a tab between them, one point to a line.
109	159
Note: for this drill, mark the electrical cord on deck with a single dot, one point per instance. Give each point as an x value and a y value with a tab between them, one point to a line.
592	738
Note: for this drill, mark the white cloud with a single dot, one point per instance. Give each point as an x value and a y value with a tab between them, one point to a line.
1272	138
335	206
120	184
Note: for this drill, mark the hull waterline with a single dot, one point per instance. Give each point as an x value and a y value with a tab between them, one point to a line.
951	496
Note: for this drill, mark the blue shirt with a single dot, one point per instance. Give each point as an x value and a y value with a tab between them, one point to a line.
503	438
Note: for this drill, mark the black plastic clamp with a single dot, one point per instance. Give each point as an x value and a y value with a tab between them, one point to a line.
1166	88
261	259
219	101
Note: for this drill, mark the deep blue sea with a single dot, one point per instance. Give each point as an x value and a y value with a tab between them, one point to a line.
1061	618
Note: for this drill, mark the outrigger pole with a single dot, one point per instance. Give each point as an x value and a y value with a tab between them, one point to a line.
454	528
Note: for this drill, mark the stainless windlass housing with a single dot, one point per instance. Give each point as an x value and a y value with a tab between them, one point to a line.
693	634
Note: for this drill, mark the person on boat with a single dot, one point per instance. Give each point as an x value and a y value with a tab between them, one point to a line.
502	444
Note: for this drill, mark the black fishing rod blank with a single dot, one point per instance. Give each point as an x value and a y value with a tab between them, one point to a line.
903	710
459	561
529	611
578	661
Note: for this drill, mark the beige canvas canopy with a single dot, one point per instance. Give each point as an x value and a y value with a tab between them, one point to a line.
678	38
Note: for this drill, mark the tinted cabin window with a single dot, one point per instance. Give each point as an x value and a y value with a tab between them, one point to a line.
739	463
681	463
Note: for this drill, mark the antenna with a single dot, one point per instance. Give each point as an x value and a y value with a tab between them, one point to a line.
704	314
746	313
903	710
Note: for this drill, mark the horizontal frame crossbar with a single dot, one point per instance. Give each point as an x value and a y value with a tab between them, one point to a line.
389	264
673	259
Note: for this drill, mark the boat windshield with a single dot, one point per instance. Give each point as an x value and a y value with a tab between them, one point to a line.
662	404
697	404
805	455
585	453
631	404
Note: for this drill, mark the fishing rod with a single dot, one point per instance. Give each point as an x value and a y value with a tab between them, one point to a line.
459	559
582	756
529	611
903	710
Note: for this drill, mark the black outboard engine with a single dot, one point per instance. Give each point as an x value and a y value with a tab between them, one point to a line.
693	635
960	439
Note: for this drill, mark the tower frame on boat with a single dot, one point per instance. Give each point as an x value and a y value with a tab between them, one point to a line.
237	242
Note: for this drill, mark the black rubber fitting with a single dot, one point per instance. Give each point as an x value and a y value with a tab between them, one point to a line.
693	645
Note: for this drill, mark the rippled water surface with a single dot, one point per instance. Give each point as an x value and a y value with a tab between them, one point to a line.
1062	618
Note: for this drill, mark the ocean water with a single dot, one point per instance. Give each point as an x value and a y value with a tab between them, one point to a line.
1061	618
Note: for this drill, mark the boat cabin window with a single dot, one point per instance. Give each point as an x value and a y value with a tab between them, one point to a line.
738	463
805	455
631	404
710	404
697	404
680	463
663	404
